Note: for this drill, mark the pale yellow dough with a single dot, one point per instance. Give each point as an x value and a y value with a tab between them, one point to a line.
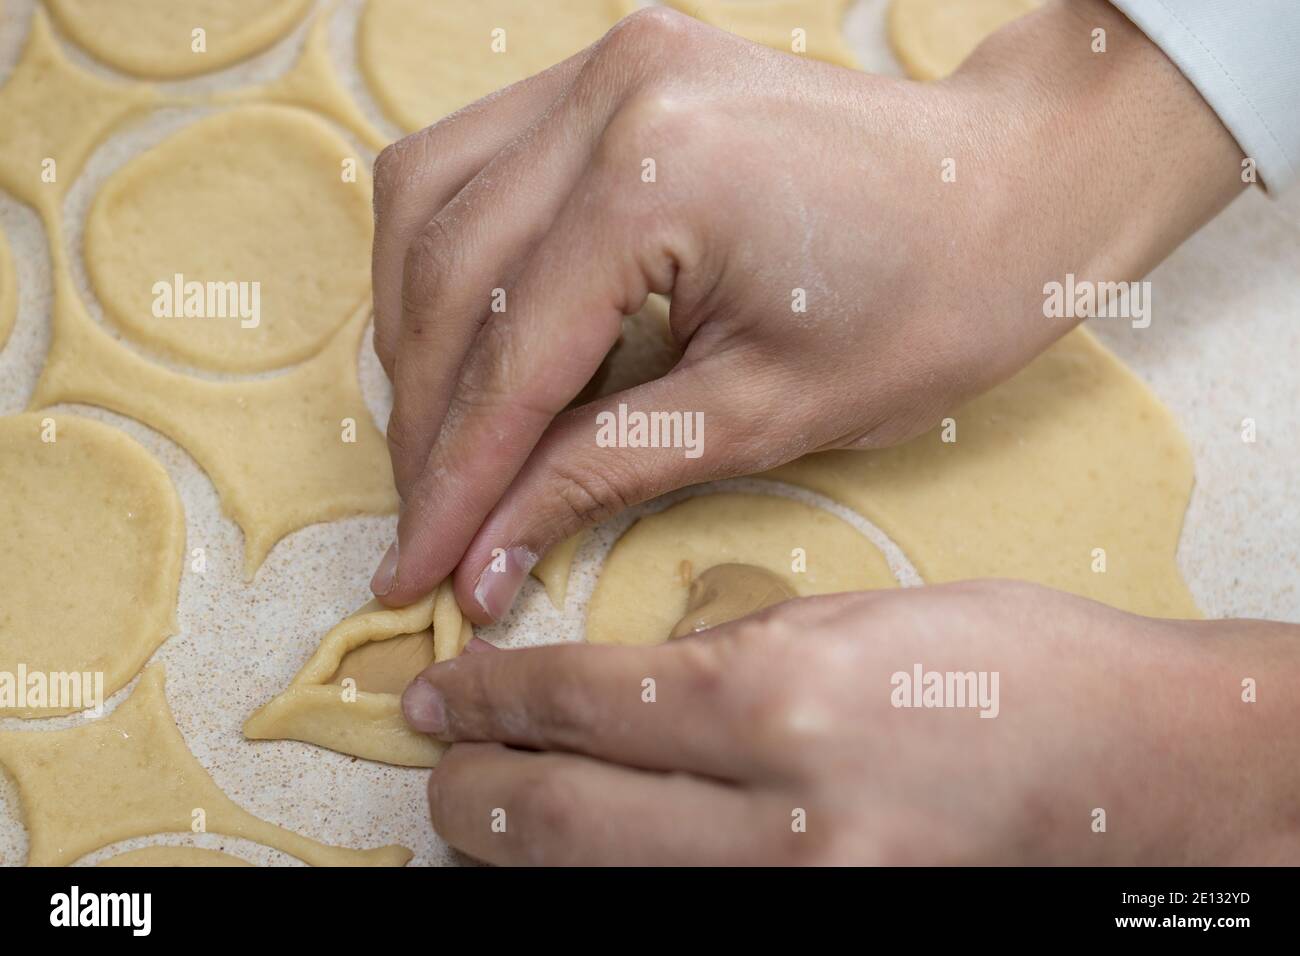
362	723
274	448
773	23
1071	455
554	569
174	856
931	38
153	38
130	774
644	585
51	110
312	83
8	291
253	194
94	538
424	59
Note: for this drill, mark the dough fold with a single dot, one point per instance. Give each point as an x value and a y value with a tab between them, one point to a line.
362	723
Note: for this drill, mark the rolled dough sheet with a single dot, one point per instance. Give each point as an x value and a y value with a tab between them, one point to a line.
174	856
94	539
931	38
773	23
1071	456
155	39
424	59
130	774
255	194
53	115
365	724
276	449
8	291
313	84
645	582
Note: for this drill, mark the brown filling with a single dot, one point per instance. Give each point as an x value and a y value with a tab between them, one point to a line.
726	592
386	667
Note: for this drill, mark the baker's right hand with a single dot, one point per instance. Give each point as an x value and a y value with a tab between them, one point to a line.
849	257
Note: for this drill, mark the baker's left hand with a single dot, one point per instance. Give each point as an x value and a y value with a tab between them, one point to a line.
776	739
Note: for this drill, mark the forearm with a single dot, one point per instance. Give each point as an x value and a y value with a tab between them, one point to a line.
1127	158
1244	738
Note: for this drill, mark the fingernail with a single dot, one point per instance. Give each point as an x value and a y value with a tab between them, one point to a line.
501	579
424	707
477	645
386	574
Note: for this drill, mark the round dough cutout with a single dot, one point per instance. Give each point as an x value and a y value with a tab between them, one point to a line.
250	209
94	540
643	587
155	38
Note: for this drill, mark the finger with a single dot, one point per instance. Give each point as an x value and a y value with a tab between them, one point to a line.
459	269
715	418
418	175
675	707
510	807
563	315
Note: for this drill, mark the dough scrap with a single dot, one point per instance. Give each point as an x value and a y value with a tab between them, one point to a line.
366	724
772	23
130	774
8	291
931	38
1073	453
174	856
555	566
312	83
52	109
94	540
274	448
643	587
213	203
424	59
153	39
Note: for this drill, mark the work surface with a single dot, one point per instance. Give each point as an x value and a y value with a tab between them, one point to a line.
1223	346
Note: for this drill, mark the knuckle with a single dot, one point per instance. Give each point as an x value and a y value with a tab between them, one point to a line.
393	165
589	496
650	28
429	258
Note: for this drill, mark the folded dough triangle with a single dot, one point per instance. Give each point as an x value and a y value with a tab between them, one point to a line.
342	717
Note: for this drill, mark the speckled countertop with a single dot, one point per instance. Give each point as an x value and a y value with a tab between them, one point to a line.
1224	345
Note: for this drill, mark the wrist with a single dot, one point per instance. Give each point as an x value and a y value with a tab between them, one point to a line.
1116	151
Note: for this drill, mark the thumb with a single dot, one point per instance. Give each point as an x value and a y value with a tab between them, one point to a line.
701	422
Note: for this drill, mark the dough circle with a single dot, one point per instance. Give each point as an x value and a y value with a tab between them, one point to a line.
154	39
254	194
931	38
91	563
642	591
423	59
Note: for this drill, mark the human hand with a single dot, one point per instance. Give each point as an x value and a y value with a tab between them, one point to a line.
792	710
779	182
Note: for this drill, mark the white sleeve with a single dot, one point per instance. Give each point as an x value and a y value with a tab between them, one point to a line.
1244	58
